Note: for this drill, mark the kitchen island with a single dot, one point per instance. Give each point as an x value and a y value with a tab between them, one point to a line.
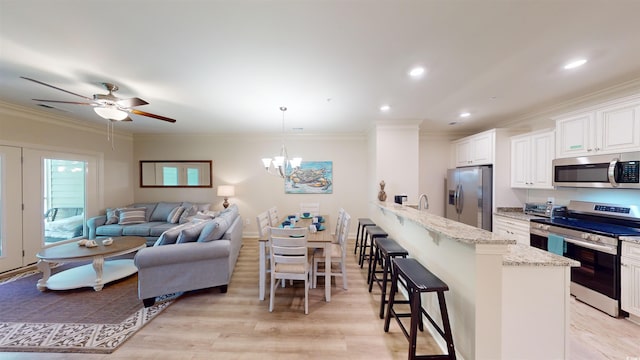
505	301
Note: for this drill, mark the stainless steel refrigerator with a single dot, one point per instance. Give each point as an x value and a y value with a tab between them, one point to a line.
469	196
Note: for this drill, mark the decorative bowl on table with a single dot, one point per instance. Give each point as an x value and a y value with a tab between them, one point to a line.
306	215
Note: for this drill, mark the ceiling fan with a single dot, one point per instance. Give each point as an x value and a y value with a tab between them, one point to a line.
108	106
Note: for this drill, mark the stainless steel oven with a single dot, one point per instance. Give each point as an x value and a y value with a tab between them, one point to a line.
590	234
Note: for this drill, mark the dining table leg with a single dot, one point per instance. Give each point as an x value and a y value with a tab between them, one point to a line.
263	270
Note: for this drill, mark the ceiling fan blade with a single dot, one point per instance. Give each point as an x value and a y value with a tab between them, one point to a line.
57	88
138	112
127	103
64	102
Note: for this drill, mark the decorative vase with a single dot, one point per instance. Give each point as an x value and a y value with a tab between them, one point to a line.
382	196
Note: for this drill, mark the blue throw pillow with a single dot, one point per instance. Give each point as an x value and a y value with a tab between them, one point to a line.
189	235
209	231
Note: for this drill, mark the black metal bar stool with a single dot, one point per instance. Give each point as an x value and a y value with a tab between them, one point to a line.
362	223
418	280
370	233
387	250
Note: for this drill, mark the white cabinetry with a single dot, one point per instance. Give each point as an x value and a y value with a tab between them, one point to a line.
512	228
476	149
531	156
605	129
630	279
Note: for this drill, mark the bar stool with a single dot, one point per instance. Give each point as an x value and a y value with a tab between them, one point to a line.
374	232
387	250
370	233
419	280
362	223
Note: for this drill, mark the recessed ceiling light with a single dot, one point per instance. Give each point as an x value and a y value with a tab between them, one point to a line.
416	72
574	64
385	108
465	114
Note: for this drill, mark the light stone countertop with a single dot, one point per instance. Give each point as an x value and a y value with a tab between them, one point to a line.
515	213
633	239
517	255
524	255
449	228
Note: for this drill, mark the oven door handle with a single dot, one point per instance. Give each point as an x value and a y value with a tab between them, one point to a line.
592	246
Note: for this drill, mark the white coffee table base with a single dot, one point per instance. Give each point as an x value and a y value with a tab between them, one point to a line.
89	275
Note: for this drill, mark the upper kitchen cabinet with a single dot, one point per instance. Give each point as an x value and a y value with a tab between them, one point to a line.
475	149
531	156
605	129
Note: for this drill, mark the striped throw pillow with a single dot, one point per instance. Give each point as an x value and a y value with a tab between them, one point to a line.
132	216
174	215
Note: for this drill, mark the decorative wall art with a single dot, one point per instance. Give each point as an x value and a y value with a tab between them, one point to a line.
312	177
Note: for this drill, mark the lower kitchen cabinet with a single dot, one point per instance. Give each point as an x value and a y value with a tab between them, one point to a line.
513	228
630	279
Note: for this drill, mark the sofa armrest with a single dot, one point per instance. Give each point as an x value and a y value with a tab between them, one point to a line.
93	223
181	253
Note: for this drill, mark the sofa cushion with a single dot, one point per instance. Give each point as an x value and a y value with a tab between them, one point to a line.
160	227
174	215
198	206
112	216
209	232
150	207
188	213
162	210
216	231
131	216
142	229
170	236
109	230
191	233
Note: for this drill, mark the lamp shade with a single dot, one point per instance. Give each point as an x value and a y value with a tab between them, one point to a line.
226	190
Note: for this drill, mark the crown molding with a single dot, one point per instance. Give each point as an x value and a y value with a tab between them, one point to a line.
21	112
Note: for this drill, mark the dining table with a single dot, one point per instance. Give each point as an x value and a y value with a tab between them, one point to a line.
320	239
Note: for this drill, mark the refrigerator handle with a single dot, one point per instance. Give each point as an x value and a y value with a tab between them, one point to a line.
457	197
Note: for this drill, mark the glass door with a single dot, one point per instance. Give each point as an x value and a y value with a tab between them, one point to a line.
11	255
60	188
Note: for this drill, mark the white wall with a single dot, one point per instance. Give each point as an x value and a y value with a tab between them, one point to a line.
236	161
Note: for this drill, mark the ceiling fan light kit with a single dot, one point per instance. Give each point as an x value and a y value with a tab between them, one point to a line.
110	113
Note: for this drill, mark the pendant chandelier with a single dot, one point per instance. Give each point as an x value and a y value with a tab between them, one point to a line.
279	165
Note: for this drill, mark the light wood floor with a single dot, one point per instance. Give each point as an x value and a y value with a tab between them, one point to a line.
236	325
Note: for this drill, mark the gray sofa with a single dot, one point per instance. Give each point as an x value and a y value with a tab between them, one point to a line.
197	255
154	224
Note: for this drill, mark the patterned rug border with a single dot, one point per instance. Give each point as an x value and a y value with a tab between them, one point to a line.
75	338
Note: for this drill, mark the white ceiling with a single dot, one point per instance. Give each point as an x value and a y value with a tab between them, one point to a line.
227	66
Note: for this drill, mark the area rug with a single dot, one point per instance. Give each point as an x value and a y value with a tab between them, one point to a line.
78	321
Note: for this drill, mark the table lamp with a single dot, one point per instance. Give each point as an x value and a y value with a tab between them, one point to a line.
226	191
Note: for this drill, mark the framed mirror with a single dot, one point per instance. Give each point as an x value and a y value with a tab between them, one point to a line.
176	173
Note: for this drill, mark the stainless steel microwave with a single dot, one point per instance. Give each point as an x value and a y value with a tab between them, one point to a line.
599	171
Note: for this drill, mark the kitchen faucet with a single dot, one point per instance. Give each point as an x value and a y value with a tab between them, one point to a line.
426	202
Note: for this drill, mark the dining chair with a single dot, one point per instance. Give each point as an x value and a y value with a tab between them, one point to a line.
313	208
262	219
273	216
289	260
338	255
336	233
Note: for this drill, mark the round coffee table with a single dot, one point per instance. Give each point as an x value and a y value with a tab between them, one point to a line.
96	274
